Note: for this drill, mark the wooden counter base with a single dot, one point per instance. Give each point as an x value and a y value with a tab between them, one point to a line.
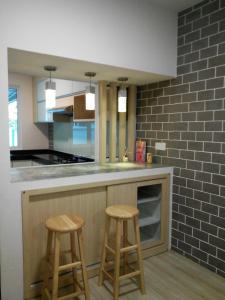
89	201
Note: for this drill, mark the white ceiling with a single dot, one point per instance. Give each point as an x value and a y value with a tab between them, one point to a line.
176	5
31	63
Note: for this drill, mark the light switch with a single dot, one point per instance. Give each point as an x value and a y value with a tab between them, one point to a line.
160	146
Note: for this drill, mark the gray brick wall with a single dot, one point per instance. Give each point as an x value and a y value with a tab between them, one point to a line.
188	114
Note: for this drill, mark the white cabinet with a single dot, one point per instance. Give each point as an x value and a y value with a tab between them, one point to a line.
63	87
43	115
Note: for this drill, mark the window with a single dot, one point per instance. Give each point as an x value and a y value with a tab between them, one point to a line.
83	133
13	117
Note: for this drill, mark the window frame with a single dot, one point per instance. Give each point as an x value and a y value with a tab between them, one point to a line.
19	133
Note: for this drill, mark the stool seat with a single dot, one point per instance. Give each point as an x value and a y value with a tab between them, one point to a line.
122	211
64	223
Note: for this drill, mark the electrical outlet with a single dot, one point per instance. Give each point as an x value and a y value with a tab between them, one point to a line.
160	146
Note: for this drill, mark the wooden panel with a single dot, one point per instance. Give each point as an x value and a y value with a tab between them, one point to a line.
79	110
113	121
63	102
90	204
122	135
102	120
132	94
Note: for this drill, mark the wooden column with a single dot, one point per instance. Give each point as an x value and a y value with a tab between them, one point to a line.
102	120
132	94
122	134
113	121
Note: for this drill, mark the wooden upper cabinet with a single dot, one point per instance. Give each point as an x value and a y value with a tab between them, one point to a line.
79	110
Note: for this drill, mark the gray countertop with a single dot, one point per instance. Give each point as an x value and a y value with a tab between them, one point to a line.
70	170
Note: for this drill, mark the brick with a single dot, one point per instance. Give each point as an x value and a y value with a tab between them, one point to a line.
212	147
163	100
186	210
162	118
217	38
214	105
215	83
201	235
185	229
190	77
194	165
220	93
173	153
186	192
219	137
199	254
211	188
203	156
176	126
203	196
202	22
222	213
193	15
184	29
189	97
179	181
180	89
217	16
157	110
206	95
192	241
219	264
174	135
193	203
217	242
208	248
175	108
194	126
218	158
199	65
156	126
217	200
184	247
209	30
221	254
206	74
197	86
184	12
200	44
189	116
209	8
204	136
188	136
217	221
176	81
157	92
175	99
219	115
205	116
220	71
218	179
203	176
176	162
213	126
221	48
184	69
178	199
193	36
209	228
200	215
217	61
178	235
184	49
208	52
209	208
194	184
221	234
198	146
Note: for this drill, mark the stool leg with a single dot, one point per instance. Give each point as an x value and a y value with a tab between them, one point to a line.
117	261
125	243
83	266
56	267
73	257
105	242
139	255
47	261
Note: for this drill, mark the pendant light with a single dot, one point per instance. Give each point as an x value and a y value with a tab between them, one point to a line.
50	88
90	93
122	95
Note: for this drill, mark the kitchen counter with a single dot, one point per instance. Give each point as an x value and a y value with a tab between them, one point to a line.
71	170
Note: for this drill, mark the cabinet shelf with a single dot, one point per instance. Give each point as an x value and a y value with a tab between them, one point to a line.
148	221
146	198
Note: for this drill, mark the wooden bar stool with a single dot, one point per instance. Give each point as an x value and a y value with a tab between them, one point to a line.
121	214
56	227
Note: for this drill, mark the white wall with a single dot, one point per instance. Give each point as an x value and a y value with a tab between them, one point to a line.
33	136
125	33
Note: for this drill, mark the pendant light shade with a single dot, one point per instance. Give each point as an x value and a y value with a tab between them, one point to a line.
122	96
90	93
50	89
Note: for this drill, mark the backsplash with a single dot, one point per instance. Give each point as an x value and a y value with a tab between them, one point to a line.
62	137
188	114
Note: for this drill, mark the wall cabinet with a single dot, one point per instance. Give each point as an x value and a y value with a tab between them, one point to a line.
150	195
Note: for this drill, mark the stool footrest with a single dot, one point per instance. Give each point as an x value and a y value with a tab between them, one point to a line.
129	275
128	248
107	274
70	296
71	265
110	249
